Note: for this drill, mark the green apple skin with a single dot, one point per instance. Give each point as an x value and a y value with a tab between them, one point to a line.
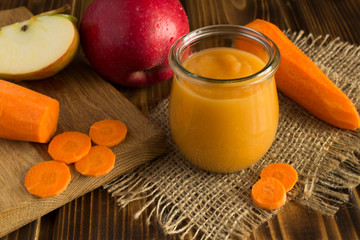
69	17
54	67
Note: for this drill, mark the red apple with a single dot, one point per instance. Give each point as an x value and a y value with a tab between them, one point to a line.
128	41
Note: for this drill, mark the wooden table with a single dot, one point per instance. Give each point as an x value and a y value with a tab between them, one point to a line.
96	216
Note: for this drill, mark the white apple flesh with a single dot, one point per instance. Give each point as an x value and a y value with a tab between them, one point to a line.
37	48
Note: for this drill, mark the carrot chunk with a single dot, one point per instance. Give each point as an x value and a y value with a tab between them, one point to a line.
69	147
108	132
26	115
99	161
268	193
283	172
302	80
47	179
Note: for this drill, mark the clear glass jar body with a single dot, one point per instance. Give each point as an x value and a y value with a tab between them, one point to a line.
224	125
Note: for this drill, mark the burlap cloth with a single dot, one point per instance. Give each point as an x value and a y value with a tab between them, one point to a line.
218	206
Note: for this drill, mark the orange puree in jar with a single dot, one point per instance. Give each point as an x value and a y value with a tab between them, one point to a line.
223	127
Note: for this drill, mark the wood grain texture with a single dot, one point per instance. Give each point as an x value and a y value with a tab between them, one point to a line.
95	215
84	99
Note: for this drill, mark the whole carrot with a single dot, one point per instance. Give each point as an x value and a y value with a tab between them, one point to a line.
299	78
26	115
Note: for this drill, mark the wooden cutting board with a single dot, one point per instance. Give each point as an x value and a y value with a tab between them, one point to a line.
84	99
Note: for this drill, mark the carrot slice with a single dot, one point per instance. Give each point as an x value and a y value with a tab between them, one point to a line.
302	80
69	147
99	161
26	115
268	193
283	172
108	132
47	179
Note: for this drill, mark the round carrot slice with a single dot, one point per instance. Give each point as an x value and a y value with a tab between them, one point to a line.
99	161
69	147
283	172
47	179
268	193
108	132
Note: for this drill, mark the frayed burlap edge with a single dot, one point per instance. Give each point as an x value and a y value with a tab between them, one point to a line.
340	171
327	170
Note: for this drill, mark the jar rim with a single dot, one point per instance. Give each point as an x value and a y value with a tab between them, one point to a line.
221	29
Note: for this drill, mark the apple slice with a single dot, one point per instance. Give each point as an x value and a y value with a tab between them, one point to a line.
39	47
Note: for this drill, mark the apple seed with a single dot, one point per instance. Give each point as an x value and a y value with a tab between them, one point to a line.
24	27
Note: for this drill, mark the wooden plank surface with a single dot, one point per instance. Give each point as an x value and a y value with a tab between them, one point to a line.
84	99
95	215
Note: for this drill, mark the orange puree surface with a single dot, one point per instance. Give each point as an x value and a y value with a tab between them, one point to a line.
219	127
224	63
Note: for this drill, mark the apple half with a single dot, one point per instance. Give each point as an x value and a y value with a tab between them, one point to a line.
37	48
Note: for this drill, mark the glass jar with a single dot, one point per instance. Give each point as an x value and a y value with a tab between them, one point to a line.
223	125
